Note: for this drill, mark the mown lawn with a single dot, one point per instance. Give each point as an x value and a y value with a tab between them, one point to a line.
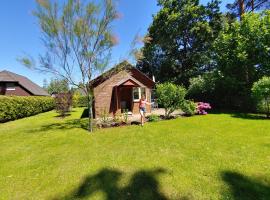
218	156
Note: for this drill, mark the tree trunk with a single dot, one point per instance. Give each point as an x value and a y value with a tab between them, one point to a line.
90	111
252	5
268	108
241	8
166	113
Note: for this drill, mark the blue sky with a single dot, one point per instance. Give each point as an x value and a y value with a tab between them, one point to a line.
20	33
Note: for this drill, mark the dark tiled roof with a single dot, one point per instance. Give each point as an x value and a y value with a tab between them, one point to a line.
7	76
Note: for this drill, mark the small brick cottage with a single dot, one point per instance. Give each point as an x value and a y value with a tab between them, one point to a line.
120	89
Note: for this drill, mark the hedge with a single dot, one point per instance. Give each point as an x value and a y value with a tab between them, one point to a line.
80	101
16	107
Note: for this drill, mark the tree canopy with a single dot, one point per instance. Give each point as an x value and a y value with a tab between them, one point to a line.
58	86
77	37
241	55
181	33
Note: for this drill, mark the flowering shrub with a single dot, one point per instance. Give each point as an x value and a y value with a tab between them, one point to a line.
202	107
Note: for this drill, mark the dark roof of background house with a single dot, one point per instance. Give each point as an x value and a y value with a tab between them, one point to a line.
125	65
7	76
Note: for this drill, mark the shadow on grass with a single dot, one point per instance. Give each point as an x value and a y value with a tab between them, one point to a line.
85	113
244	188
63	125
250	116
60	116
143	185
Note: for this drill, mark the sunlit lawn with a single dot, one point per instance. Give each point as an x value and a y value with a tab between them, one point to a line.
218	156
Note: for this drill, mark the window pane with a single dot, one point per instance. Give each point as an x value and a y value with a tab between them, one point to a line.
136	93
143	92
10	86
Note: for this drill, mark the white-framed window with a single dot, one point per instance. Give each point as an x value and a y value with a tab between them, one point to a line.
138	92
10	86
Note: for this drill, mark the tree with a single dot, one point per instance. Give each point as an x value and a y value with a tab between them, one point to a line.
181	35
261	91
45	84
241	54
170	96
78	39
240	7
63	103
58	86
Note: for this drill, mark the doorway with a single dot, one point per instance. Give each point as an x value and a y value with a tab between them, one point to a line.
126	98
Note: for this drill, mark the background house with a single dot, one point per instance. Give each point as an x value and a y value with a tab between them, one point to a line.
14	84
120	89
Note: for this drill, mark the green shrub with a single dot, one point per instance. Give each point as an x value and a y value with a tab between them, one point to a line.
81	101
125	116
75	99
261	92
171	96
63	103
16	107
189	107
153	118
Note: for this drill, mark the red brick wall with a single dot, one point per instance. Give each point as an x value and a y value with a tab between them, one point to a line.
19	91
104	95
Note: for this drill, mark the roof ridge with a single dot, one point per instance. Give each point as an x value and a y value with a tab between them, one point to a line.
25	82
9	74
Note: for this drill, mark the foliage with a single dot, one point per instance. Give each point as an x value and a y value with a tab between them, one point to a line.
79	100
82	101
104	116
240	7
202	107
75	99
63	102
77	36
117	118
58	86
242	57
153	118
16	107
171	96
125	116
261	91
188	107
182	34
203	87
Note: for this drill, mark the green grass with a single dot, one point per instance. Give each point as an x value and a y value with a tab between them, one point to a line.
218	156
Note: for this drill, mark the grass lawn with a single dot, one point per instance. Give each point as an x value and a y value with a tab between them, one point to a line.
218	156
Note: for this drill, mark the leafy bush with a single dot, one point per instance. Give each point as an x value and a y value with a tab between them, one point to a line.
81	102
171	96
153	118
104	116
125	116
261	92
189	107
16	107
75	99
63	103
